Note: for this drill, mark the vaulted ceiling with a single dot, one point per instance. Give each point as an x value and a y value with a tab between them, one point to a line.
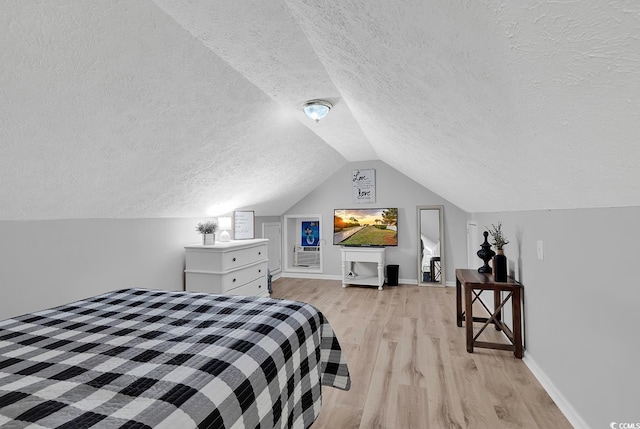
170	108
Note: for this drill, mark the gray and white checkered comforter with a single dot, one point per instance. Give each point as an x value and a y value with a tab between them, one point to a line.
140	358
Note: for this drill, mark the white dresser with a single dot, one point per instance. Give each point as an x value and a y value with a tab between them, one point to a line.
231	268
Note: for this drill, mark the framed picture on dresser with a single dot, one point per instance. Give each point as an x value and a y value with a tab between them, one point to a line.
244	225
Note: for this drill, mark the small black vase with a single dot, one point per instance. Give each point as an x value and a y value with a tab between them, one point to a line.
485	253
500	267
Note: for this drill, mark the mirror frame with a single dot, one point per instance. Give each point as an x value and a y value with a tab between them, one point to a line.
443	261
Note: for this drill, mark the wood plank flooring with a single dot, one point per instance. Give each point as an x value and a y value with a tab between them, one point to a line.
409	365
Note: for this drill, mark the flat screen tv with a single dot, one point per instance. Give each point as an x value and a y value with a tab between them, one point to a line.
365	227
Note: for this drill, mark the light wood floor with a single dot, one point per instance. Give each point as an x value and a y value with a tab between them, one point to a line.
409	365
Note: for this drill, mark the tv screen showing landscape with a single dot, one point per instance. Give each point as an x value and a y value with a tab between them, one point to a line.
365	227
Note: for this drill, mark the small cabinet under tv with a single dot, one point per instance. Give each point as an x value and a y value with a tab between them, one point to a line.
363	266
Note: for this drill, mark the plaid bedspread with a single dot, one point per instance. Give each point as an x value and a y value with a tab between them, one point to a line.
140	358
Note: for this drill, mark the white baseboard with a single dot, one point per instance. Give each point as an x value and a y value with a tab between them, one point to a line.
565	406
276	276
297	275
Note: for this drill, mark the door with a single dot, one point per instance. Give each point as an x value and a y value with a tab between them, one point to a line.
473	245
272	231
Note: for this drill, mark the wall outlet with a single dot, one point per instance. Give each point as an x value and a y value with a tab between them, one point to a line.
540	247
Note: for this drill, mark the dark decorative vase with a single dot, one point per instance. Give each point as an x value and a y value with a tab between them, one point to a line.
485	253
500	267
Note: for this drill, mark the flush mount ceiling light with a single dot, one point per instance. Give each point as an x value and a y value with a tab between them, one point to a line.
316	109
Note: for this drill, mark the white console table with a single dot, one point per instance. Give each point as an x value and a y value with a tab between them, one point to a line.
371	255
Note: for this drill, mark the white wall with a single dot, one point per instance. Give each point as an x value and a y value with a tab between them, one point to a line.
581	306
393	189
52	262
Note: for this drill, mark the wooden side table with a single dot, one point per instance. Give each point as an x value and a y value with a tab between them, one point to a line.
474	283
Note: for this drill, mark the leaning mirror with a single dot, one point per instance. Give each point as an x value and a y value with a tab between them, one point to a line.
430	245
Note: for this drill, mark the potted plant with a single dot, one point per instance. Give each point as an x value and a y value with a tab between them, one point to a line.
207	229
499	260
499	239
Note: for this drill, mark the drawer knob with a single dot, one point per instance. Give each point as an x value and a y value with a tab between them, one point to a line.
234	259
234	280
259	271
259	253
259	286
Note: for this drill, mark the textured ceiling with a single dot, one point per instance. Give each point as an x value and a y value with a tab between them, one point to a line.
190	107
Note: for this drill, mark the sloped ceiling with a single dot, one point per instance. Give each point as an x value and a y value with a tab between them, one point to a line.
192	107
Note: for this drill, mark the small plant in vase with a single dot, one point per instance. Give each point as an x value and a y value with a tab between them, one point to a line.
207	229
499	260
498	237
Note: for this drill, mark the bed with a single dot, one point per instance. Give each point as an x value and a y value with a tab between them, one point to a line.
139	358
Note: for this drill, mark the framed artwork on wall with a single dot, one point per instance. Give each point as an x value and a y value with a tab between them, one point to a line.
310	233
243	225
364	186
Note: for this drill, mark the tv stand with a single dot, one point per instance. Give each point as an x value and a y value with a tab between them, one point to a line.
369	255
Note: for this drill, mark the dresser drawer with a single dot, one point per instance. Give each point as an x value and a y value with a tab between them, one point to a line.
242	276
220	260
202	282
241	257
255	288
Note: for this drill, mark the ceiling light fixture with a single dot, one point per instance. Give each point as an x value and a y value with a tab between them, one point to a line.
316	109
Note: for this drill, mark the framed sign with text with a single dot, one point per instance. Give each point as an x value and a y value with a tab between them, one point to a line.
243	225
364	186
